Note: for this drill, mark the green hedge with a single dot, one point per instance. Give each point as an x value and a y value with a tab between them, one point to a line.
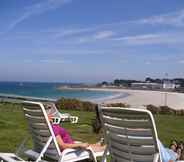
75	104
164	110
117	105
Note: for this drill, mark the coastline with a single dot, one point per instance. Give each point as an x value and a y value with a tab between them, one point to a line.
134	98
139	98
117	95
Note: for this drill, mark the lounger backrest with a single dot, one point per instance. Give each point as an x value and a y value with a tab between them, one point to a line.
40	128
130	134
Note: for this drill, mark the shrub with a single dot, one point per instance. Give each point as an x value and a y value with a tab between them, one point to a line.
178	112
75	104
117	105
153	109
88	106
167	110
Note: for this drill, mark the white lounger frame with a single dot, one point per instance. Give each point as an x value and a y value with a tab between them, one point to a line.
130	134
44	140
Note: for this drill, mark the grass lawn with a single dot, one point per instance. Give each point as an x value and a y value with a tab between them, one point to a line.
13	127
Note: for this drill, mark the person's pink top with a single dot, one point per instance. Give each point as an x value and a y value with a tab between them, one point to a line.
63	133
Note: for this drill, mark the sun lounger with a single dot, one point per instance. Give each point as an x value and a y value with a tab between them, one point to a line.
61	116
130	134
44	141
45	147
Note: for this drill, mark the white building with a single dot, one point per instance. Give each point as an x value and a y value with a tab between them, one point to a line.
170	85
143	85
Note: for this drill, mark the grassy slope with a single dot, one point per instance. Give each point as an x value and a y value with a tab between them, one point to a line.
13	127
170	127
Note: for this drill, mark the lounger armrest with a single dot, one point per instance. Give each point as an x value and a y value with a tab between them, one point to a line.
66	151
89	149
77	142
106	152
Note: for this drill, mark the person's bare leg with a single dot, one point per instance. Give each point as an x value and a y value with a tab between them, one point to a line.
97	147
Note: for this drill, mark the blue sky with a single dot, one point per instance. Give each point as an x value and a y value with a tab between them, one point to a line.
90	40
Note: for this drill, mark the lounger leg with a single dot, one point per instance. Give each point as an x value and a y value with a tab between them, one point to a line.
92	154
104	159
21	146
44	149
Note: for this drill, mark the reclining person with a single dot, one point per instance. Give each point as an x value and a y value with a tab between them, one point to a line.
168	154
64	140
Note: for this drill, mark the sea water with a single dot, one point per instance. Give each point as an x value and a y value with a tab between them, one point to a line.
50	90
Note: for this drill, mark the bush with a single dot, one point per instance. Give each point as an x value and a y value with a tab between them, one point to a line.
117	105
164	110
180	112
153	109
167	110
88	106
75	104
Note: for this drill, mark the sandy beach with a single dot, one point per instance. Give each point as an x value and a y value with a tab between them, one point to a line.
142	97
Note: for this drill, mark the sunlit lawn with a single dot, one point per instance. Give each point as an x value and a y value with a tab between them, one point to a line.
13	127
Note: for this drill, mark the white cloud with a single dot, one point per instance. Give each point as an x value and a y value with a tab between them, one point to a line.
103	34
137	37
92	37
148	62
28	61
71	32
52	61
37	9
173	19
55	61
146	39
181	61
73	51
90	34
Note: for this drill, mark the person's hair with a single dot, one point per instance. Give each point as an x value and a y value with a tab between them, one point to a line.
172	144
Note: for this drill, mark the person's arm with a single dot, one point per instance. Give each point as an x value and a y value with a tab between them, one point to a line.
63	145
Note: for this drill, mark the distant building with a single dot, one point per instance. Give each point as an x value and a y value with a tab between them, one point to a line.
146	85
108	86
170	85
104	85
